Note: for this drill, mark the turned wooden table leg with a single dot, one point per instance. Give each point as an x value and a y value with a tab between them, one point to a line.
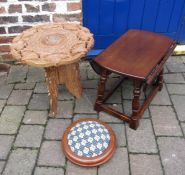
70	76
51	74
134	123
160	80
101	90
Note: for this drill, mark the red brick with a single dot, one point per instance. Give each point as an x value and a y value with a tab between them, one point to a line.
32	8
2	10
7	58
74	17
6	39
15	8
17	29
50	7
73	6
70	17
59	18
5	48
2	30
37	18
34	0
8	19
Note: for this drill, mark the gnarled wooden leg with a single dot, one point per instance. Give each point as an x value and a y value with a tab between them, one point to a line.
101	90
51	74
134	123
61	74
70	76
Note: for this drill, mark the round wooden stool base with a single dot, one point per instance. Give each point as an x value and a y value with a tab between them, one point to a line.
89	142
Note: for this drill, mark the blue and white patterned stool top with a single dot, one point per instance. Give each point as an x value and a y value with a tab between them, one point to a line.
88	139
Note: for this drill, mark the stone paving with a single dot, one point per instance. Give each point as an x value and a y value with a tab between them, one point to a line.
30	138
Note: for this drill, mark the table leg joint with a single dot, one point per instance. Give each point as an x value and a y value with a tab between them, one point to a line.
101	88
51	75
136	95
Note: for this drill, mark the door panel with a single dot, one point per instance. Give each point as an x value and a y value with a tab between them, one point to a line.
108	19
164	15
120	18
91	15
136	13
176	16
150	15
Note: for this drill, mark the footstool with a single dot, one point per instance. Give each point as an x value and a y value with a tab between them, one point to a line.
89	142
139	56
58	48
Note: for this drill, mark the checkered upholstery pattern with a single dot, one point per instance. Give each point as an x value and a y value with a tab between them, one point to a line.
88	139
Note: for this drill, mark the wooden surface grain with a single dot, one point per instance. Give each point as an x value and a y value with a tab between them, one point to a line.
135	53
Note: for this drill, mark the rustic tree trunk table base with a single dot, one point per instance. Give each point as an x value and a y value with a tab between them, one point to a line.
58	48
69	75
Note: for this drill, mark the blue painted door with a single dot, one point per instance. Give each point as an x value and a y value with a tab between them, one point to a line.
108	19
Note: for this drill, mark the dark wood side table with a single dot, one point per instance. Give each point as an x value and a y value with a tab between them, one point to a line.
140	56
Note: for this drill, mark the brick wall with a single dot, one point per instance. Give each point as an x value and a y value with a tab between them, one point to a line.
18	15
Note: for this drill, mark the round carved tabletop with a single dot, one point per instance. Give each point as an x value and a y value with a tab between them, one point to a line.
52	44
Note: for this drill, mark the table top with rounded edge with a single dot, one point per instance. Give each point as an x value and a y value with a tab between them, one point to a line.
52	44
136	53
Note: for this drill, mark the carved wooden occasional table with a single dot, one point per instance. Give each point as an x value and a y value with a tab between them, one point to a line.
58	48
140	56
